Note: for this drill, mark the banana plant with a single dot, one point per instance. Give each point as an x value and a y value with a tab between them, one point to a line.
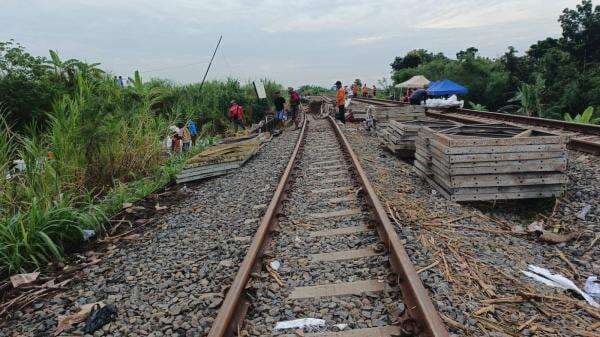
64	70
587	117
529	97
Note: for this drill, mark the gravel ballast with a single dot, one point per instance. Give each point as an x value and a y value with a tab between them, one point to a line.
474	253
171	280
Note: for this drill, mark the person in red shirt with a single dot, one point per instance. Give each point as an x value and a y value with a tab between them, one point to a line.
365	91
236	114
354	90
340	101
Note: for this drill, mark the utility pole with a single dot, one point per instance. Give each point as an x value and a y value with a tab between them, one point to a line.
210	63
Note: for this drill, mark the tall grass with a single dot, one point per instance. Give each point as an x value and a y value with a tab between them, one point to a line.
101	146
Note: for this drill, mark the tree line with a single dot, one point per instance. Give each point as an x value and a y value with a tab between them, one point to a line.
555	78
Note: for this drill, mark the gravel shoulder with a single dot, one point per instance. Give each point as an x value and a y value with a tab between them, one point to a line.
471	255
171	280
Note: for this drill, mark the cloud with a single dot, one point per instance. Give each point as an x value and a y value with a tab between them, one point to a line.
361	41
294	42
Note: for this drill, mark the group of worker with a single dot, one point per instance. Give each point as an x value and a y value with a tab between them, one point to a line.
342	93
281	115
183	136
355	87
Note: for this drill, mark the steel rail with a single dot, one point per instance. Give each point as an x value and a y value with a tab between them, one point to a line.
234	305
418	304
461	115
588	129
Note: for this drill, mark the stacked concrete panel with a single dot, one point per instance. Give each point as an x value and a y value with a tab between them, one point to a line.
400	137
492	162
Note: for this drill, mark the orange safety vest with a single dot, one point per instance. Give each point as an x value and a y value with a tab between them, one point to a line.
341	97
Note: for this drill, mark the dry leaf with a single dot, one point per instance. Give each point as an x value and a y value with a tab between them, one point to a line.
127	204
131	237
159	208
65	322
21	279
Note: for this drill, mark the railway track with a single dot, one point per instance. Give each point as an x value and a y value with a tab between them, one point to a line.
582	137
325	249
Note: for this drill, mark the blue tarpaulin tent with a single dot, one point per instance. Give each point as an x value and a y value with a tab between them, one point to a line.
446	87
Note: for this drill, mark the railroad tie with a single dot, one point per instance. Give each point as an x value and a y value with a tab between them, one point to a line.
351	197
329	174
335	214
340	231
344	255
333	190
338	289
325	162
332	181
382	331
327	168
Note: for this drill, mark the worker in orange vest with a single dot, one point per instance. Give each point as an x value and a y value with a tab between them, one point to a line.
365	90
340	101
354	90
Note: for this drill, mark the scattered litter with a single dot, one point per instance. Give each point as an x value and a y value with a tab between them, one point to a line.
65	322
547	236
584	211
299	323
592	286
341	327
556	280
88	234
99	317
22	279
275	265
535	226
159	208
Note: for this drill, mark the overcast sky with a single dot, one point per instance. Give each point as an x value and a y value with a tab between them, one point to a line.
293	42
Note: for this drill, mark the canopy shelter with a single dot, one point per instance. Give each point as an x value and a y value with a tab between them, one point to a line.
446	87
418	81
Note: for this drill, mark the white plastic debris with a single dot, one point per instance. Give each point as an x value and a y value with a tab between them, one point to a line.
341	326
592	286
299	323
556	280
275	265
19	165
88	233
584	211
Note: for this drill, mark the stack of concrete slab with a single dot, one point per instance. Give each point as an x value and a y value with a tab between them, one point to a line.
220	159
400	137
492	162
399	113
